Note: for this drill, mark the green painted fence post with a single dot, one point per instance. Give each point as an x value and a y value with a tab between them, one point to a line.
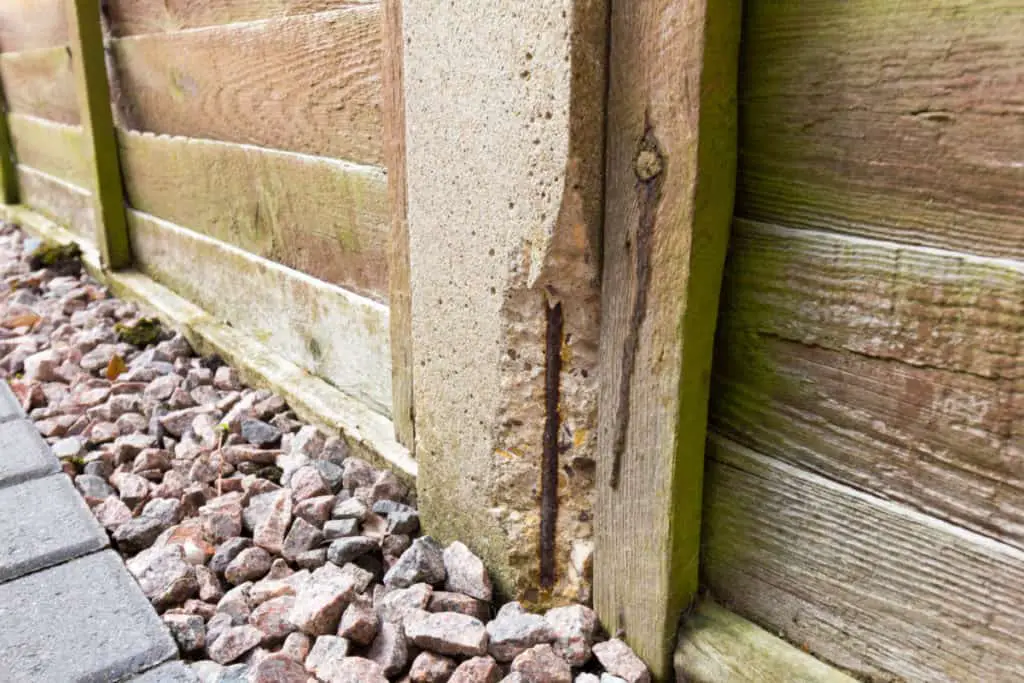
85	33
8	173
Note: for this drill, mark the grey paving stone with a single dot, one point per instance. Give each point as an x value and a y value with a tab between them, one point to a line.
23	453
9	406
171	672
85	621
44	522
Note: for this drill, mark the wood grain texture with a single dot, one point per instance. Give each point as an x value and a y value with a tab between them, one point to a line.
669	189
717	646
326	218
32	24
920	306
308	83
867	584
325	330
948	443
393	102
64	203
54	148
40	83
99	141
131	17
894	120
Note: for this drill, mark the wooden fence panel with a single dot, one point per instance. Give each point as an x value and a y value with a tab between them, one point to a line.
899	121
309	83
40	83
862	582
323	217
32	24
131	17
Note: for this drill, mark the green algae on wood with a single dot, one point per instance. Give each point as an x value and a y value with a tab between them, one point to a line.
141	333
100	143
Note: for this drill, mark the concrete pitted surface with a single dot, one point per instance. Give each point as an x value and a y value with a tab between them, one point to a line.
69	610
44	522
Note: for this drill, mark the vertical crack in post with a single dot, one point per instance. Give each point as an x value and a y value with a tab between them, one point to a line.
648	165
549	457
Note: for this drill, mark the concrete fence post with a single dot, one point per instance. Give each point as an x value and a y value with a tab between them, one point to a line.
504	134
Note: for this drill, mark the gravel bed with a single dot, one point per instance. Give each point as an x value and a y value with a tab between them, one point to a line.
272	554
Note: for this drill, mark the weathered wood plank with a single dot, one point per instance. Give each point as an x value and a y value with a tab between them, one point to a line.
31	24
99	141
867	584
323	217
669	192
308	83
326	330
717	646
948	443
66	204
53	148
398	253
921	306
40	83
131	17
914	135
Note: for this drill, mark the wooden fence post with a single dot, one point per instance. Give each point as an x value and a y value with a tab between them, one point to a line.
99	138
670	175
398	246
8	171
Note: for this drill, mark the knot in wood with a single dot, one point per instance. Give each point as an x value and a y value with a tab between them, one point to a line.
648	163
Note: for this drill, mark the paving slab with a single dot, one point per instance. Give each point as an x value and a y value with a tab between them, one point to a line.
85	621
171	672
9	407
44	522
23	453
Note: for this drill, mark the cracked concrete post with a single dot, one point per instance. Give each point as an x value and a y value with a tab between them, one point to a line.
504	128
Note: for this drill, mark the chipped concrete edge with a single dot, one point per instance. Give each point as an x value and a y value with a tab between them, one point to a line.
370	435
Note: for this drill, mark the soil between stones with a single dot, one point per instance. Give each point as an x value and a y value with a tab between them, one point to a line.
271	552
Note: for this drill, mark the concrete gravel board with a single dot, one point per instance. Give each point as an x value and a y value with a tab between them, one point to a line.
44	522
85	621
23	453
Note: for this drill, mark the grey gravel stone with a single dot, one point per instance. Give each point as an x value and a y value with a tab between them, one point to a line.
447	633
107	630
42	523
389	649
25	454
620	660
515	630
164	575
188	630
423	562
345	550
466	573
340	528
228	551
138	534
260	433
540	663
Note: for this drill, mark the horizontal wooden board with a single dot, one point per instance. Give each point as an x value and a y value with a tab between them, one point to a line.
867	584
717	646
131	17
921	306
53	148
949	443
325	330
323	217
897	120
66	204
308	83
31	24
40	83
